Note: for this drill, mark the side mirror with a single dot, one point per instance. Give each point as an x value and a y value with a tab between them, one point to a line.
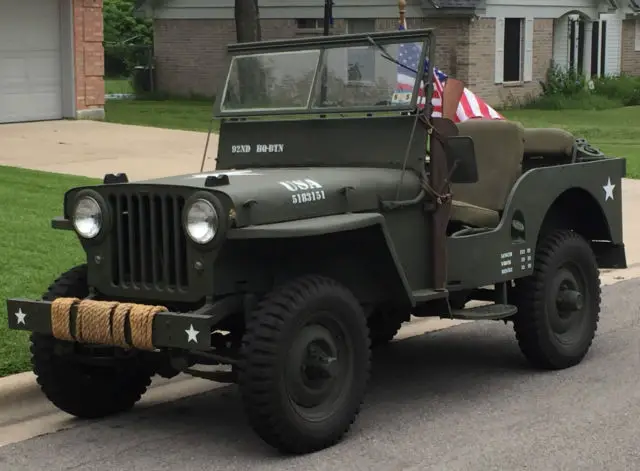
461	159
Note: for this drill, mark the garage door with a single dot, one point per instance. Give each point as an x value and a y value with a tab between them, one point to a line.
30	61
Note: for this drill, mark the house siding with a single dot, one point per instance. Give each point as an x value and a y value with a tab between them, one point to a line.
191	40
88	57
482	47
630	56
191	57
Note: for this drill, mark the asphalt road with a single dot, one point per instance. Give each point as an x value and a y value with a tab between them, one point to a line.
459	399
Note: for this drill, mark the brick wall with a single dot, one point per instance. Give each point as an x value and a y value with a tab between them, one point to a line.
482	62
630	57
191	54
89	54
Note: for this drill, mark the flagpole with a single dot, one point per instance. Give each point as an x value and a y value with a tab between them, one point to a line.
402	9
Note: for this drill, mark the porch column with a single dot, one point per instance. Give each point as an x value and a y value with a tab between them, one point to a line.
588	45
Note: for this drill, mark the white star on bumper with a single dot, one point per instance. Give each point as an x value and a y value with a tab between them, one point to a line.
192	334
21	317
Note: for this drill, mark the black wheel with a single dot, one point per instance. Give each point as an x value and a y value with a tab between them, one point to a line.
383	327
306	363
559	304
76	387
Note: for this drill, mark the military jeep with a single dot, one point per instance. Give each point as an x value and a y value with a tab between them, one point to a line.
338	210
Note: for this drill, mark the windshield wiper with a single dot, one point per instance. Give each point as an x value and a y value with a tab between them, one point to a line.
388	56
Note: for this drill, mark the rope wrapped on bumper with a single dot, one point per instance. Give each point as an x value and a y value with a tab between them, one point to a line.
104	322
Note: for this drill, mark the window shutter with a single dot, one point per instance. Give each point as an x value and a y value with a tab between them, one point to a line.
499	64
527	67
637	35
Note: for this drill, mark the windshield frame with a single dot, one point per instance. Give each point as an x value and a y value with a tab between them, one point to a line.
324	43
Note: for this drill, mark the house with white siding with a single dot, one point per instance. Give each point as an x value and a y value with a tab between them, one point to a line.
501	49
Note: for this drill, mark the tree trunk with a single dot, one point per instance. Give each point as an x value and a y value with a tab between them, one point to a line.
251	78
247	17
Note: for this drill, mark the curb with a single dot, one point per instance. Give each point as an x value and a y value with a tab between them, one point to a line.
18	387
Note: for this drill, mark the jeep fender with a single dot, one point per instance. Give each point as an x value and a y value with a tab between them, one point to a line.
536	200
338	223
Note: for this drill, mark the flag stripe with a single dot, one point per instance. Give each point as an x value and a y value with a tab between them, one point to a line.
470	106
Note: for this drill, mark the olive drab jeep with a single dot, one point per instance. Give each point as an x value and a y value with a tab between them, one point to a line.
336	212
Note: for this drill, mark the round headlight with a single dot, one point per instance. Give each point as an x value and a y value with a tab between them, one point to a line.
87	217
202	221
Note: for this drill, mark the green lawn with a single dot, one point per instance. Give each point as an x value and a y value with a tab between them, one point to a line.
117	86
173	114
32	252
616	132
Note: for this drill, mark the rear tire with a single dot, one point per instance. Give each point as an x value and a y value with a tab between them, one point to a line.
80	389
305	364
559	304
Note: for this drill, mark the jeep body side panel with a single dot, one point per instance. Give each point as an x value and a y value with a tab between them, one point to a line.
506	253
351	225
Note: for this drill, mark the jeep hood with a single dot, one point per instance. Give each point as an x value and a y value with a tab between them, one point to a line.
262	196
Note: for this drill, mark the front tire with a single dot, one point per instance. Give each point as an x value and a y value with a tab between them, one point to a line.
306	361
384	325
559	304
76	387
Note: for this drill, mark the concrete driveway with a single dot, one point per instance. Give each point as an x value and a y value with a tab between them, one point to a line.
93	148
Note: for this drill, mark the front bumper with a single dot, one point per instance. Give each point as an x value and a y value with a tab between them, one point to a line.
96	320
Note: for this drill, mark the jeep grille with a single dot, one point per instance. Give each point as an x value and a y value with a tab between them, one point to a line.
148	244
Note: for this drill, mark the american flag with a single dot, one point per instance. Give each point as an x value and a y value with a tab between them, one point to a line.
470	106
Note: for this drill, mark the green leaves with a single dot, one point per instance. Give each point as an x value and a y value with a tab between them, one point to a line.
127	38
122	26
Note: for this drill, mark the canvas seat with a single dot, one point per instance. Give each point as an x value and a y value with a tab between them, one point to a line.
548	142
499	149
474	216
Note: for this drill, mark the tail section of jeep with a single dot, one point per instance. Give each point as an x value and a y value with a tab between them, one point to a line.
339	209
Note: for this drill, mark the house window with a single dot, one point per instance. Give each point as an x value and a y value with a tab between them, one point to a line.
361	61
309	23
513	49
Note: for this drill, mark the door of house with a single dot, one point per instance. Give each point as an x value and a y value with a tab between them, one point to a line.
576	44
604	47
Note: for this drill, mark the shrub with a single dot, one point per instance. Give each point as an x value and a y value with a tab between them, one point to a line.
567	89
624	88
582	100
562	82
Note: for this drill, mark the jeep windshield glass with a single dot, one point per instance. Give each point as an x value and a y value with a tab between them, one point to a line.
345	78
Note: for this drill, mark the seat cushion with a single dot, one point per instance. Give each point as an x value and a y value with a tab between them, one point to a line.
499	149
548	142
474	216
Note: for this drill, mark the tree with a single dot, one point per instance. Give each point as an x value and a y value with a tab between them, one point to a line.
127	37
247	16
251	76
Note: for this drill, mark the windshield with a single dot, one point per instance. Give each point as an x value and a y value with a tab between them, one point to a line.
348	77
